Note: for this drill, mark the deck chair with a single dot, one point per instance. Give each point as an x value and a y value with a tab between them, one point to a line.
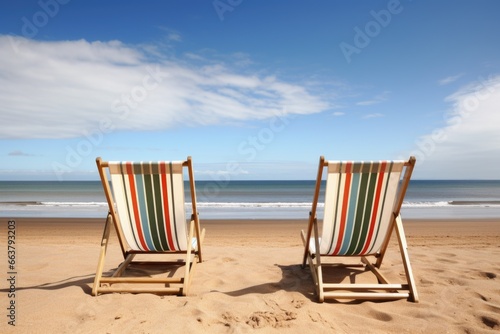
146	208
361	209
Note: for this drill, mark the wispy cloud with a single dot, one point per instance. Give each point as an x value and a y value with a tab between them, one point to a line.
221	172
69	88
171	34
338	113
376	100
375	115
19	153
450	79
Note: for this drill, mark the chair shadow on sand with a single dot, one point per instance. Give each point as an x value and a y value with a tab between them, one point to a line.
294	279
82	281
298	279
85	281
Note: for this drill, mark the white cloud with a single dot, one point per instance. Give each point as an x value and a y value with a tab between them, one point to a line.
450	79
338	113
69	88
376	115
220	172
468	145
174	37
376	100
171	34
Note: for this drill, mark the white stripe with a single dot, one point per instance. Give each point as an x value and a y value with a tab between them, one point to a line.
121	206
179	210
385	221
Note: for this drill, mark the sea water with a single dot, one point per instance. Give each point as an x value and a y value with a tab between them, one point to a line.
442	199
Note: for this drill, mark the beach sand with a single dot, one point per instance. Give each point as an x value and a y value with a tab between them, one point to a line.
251	280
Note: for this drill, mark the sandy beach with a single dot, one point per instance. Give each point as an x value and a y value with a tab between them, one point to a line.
251	281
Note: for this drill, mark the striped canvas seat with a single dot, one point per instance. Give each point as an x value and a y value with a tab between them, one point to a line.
361	209
150	203
147	209
359	198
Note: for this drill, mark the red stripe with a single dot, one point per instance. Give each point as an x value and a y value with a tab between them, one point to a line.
166	213
373	221
133	195
345	205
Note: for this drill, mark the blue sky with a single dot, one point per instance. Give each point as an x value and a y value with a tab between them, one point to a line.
251	89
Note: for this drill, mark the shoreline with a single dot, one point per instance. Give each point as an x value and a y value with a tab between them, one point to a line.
245	220
252	279
264	231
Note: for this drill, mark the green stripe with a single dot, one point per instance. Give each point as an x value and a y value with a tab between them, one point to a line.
142	204
368	212
358	221
159	210
150	207
351	212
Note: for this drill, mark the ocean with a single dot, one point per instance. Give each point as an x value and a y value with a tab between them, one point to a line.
425	199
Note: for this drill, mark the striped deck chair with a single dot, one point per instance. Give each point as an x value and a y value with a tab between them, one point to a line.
362	208
146	208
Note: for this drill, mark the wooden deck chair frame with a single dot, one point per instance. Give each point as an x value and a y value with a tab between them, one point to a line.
314	253
159	174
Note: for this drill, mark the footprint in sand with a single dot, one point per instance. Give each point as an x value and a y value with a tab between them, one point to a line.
489	275
228	319
317	317
490	322
425	282
297	303
447	260
382	316
484	298
271	319
448	254
455	281
487	305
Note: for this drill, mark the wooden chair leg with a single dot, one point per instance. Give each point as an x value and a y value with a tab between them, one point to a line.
187	269
102	256
403	247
